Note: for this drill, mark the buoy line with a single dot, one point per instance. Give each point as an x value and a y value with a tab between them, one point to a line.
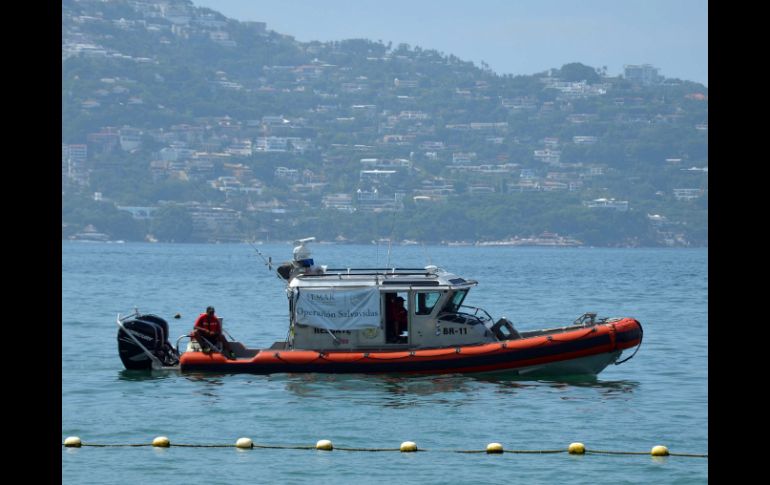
405	447
687	455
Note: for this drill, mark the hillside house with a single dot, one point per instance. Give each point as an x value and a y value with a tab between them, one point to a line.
584	140
687	194
644	74
603	203
376	175
341	202
374	201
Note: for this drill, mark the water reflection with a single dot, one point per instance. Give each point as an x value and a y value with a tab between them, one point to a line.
452	389
607	390
205	377
387	390
146	375
211	384
558	382
406	392
395	390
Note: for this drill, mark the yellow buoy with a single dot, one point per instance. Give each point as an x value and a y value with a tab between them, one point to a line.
73	441
408	446
576	449
325	445
494	448
244	443
659	451
161	442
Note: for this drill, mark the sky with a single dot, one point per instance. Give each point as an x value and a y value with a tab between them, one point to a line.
519	37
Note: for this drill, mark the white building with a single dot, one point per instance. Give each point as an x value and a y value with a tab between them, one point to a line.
644	74
240	148
272	144
687	194
463	158
73	164
130	139
548	155
375	175
291	174
584	140
341	202
175	152
139	213
618	205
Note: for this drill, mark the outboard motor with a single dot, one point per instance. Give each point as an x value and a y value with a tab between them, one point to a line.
143	341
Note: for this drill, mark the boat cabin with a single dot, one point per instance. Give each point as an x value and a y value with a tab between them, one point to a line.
377	308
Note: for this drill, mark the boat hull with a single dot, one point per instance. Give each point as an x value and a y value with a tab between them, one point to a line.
584	350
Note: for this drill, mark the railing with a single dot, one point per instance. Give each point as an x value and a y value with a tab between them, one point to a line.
372	271
478	314
485	318
189	336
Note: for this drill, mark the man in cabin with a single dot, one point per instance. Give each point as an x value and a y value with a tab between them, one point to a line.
208	330
400	316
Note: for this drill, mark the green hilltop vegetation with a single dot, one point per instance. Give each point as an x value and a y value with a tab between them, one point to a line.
179	124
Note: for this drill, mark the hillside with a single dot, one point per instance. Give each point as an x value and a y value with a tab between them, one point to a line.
180	124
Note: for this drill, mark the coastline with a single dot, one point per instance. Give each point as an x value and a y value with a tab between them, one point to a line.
525	242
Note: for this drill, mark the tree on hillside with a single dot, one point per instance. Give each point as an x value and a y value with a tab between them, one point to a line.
576	71
172	223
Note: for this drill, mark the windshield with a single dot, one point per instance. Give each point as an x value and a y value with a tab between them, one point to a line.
426	300
454	304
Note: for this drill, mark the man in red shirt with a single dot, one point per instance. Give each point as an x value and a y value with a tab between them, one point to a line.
208	329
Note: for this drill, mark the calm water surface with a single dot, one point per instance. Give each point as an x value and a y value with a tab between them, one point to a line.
658	397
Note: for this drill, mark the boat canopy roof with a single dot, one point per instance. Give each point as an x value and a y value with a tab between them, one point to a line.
429	277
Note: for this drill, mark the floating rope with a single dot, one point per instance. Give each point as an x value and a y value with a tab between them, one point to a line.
603	452
508	451
408	446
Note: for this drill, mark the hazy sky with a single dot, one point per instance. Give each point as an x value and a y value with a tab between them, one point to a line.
512	36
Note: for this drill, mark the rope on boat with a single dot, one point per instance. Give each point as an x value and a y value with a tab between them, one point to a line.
277	355
411	354
588	332
641	337
408	446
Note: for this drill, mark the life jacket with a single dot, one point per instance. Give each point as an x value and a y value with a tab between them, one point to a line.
210	323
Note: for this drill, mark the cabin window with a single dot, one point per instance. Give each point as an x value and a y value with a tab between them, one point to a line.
453	305
426	301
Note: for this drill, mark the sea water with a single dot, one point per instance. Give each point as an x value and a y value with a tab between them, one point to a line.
659	397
